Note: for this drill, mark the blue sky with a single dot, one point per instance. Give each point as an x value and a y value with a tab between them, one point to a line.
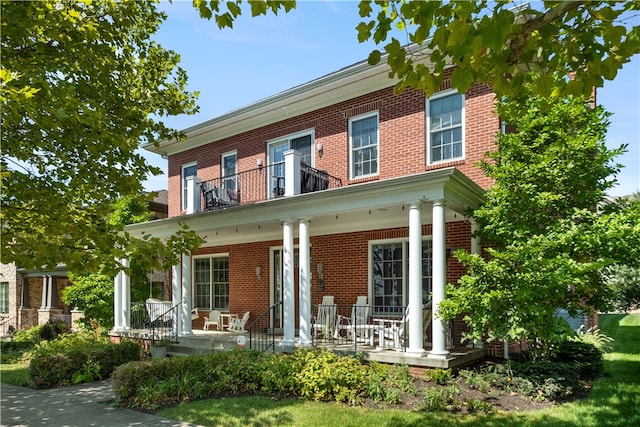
266	55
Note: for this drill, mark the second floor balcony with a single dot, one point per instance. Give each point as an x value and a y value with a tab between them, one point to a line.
284	179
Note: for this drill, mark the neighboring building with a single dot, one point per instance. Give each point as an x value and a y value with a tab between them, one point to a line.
32	297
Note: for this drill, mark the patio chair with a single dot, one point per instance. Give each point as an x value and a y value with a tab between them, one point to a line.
392	333
210	195
324	323
357	326
237	324
213	319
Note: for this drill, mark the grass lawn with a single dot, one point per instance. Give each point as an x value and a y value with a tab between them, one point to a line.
15	373
614	400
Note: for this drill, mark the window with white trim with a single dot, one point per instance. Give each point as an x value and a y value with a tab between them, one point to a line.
445	127
211	282
188	170
229	164
390	271
363	146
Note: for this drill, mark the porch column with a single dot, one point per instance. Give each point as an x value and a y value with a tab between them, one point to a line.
439	349
176	295
416	339
291	173
475	249
45	286
117	301
305	283
288	303
186	295
126	296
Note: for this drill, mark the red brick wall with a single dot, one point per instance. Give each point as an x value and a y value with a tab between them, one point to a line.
402	140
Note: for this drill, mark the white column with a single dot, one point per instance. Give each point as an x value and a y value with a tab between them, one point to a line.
117	301
416	339
475	249
193	194
45	287
288	302
186	295
176	294
305	284
126	297
439	348
291	173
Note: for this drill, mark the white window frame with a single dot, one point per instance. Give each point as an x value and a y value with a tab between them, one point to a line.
287	139
4	298
375	114
405	266
435	97
223	156
183	183
212	295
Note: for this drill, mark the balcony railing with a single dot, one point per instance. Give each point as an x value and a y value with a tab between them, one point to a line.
262	183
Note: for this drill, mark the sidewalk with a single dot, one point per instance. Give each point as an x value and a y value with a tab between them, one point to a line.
79	405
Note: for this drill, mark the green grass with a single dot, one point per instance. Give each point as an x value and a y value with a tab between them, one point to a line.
16	373
614	401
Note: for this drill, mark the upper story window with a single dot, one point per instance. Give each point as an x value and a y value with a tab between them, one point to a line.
229	164
445	127
188	170
363	141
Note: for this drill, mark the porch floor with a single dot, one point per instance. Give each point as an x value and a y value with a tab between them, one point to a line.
207	341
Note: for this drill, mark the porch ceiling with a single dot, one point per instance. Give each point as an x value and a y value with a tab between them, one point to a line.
367	206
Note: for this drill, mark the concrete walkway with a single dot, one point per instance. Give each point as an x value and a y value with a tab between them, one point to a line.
80	405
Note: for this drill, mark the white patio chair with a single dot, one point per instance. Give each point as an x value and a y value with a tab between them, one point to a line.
392	332
324	323
237	324
357	325
213	319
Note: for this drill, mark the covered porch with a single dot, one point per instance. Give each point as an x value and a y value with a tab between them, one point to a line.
418	206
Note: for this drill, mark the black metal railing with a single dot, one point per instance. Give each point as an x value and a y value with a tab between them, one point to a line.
157	320
262	183
262	334
9	325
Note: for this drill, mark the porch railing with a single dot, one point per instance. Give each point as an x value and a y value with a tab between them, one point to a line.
262	335
157	320
262	183
11	324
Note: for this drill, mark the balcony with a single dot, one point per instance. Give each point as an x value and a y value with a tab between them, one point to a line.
284	179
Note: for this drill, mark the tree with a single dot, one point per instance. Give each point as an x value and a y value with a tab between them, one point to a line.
82	85
498	43
546	227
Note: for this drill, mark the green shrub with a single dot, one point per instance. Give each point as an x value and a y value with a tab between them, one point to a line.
78	357
440	399
439	376
329	377
550	380
52	329
29	336
584	355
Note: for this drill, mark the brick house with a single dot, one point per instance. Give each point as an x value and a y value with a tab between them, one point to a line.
337	187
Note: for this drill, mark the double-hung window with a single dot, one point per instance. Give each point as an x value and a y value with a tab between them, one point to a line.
363	141
229	164
211	282
188	170
390	275
445	127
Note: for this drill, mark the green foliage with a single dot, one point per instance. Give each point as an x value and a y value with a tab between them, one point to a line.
545	239
595	337
440	399
82	86
439	376
81	356
624	282
549	380
52	329
29	337
583	356
500	44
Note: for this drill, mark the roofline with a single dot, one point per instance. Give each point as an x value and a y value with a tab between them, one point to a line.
359	78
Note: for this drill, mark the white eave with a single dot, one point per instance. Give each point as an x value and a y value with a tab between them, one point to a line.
347	83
